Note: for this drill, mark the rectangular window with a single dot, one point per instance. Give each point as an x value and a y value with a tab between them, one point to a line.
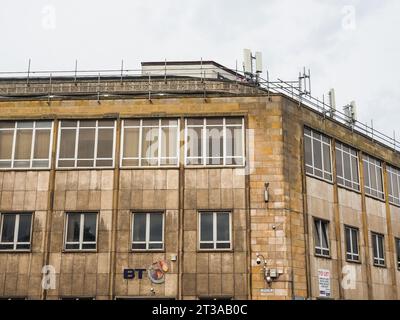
317	153
150	142
86	144
25	144
15	231
81	231
347	167
373	177
214	141
378	247
397	240
394	185
321	238
148	231
215	231
352	248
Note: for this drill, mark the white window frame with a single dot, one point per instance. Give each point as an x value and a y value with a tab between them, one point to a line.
312	167
31	159
81	228
393	178
379	260
75	158
368	189
147	241
203	157
159	157
215	227
355	185
16	230
324	252
354	255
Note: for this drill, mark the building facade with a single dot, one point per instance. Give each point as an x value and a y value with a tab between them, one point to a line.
189	188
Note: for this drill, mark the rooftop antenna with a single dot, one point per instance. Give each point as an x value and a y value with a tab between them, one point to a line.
332	102
305	83
350	111
29	70
248	68
122	69
76	70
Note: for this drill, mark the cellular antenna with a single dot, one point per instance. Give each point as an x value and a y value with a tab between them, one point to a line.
248	68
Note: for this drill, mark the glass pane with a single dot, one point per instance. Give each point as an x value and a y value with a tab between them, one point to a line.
86	143
7	124
151	122
74	221
88	245
69	123
214	146
223	245
87	123
214	121
327	158
233	121
131	123
379	179
139	227
89	230
67	143
25	124
138	246
355	241
354	165
195	122
155	245
317	154
375	245
348	240
42	144
395	187
150	143
206	245
156	227
23	144
223	226
106	123
346	163
325	242
339	164
6	140
131	143
366	173
105	143
234	141
7	234
194	142
169	122
24	231
43	124
206	226
307	150
169	142
380	243
373	177
317	233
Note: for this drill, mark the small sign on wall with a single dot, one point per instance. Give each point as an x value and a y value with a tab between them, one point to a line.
324	281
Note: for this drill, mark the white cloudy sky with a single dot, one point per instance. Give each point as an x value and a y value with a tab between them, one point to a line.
356	54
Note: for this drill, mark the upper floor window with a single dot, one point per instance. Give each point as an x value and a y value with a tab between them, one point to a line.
347	166
150	142
81	231
148	231
394	185
214	141
352	248
25	144
15	231
373	177
215	230
317	148
321	236
86	144
378	247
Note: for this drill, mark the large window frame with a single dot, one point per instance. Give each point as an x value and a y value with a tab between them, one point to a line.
16	244
378	249
217	245
203	158
393	185
81	243
147	242
95	158
20	126
160	147
311	140
347	166
321	235
373	174
352	239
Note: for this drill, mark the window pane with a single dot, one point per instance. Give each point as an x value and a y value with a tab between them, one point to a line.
69	123
317	233
380	243
346	163
74	220
24	231
375	245
6	140
156	227
105	143
317	154
194	142
23	144
7	234
67	143
169	142
223	226
7	124
348	240
89	230
325	242
355	241
150	142
339	164
131	143
214	146
42	144
86	143
106	123
354	165
234	141
87	123
43	124
139	227
327	158
206	227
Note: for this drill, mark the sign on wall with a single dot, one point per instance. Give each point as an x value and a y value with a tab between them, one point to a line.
324	281
155	272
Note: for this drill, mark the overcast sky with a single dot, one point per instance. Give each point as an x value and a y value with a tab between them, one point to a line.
352	46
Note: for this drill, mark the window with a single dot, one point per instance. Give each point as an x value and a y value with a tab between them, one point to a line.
397	240
81	231
15	231
352	248
378	249
86	144
321	238
215	230
25	144
214	141
373	177
394	185
150	142
347	167
317	148
148	231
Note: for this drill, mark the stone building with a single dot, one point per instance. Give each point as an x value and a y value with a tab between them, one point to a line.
190	187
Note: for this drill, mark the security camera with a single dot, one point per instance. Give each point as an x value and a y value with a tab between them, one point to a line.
258	260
